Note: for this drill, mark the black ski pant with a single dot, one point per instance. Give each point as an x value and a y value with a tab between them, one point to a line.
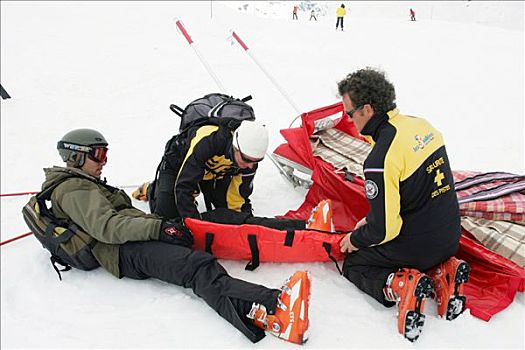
229	297
339	20
232	217
368	268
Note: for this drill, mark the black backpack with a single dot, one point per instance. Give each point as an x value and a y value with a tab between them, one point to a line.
231	111
212	109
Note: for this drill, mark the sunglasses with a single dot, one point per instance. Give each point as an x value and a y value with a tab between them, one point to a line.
351	113
98	154
243	157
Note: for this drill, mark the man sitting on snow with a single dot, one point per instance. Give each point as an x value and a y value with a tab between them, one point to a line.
130	243
413	224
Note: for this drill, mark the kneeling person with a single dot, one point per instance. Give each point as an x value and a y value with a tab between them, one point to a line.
413	225
217	162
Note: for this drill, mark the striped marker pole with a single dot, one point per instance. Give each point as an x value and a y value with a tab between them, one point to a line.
272	79
16	238
16	194
182	30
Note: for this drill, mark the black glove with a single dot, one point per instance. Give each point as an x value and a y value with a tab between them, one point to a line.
174	232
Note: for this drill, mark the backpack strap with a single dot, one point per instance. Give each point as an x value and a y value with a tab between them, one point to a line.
46	193
177	110
56	260
247	98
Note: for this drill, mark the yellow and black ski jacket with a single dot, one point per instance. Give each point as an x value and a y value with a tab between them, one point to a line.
209	161
409	186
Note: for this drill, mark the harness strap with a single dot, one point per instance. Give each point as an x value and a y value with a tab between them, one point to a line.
328	249
254	263
66	235
56	260
209	242
290	235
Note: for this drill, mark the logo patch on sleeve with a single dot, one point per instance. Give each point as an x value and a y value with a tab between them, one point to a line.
371	189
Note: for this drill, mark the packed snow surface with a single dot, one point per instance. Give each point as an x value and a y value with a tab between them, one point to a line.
117	66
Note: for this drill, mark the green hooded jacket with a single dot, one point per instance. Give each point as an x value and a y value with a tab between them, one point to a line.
106	215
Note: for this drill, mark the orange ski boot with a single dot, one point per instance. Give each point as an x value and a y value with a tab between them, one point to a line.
448	278
290	321
409	288
321	217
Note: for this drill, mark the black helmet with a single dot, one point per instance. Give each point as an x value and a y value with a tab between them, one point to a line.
76	144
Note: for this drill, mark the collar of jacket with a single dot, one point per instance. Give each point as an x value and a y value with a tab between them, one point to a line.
230	154
76	172
372	127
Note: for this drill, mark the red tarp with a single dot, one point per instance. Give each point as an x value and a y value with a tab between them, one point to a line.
494	280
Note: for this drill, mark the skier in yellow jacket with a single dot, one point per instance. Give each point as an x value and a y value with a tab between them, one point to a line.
340	12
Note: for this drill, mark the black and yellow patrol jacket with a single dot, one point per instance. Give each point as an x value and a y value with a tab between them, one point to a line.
408	184
210	158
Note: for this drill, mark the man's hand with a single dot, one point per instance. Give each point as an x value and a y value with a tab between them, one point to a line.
174	232
346	245
361	222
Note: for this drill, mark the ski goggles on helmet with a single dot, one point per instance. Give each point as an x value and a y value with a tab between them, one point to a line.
95	153
243	157
98	154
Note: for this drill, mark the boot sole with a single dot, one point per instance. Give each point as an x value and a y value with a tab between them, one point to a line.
414	319
457	303
306	334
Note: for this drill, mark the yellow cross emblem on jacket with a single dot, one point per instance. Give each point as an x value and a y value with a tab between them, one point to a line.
439	178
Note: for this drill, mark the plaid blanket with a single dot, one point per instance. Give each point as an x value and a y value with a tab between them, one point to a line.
472	186
505	238
341	150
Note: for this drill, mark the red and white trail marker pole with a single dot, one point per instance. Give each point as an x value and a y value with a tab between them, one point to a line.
184	32
16	238
272	79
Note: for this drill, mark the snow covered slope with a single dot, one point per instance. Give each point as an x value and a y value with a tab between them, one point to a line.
117	66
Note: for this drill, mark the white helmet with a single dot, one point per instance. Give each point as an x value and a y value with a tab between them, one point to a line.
251	139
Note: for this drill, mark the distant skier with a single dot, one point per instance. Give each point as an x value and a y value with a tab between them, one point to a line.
312	15
412	15
340	12
295	8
